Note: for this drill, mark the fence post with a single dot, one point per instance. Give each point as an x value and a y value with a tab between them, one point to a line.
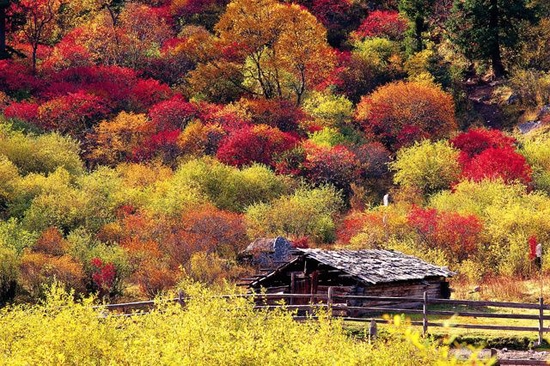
425	314
541	318
330	294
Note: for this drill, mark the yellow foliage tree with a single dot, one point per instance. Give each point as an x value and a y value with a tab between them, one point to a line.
268	49
117	139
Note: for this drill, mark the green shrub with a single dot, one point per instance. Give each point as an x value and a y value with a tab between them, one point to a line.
427	166
307	212
9	273
40	154
230	188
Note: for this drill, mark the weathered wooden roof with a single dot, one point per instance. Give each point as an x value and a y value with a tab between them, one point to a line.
377	266
369	266
265	245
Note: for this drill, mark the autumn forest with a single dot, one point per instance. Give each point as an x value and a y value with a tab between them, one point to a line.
147	142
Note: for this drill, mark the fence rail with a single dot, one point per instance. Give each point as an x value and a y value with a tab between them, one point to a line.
339	305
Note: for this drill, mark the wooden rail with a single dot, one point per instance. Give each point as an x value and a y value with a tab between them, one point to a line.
338	306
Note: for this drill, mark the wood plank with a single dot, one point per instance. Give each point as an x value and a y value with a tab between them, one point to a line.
485	326
515	305
383	309
486	315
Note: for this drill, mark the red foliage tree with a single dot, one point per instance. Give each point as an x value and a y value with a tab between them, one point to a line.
171	114
258	144
498	163
73	113
382	23
334	165
69	52
145	93
40	22
455	234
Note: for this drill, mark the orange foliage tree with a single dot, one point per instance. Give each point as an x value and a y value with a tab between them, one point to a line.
400	113
47	261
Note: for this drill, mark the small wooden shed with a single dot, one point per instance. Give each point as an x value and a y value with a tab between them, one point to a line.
356	272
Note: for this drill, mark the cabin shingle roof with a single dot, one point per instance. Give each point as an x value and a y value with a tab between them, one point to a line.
377	266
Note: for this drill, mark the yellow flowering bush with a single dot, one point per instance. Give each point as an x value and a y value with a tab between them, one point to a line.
209	330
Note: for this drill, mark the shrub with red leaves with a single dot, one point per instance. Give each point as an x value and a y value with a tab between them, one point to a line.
217	114
145	93
302	243
498	163
17	78
120	86
457	235
163	144
73	113
113	83
477	140
258	144
104	277
352	225
24	111
174	113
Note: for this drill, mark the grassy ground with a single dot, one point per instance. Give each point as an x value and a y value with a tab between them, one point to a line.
498	289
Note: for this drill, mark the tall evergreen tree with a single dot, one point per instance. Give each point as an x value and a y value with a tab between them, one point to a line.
417	12
482	28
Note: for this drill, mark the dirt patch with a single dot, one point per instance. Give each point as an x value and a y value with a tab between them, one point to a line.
507	357
485	104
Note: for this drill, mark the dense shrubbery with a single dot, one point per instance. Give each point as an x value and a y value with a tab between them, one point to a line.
207	331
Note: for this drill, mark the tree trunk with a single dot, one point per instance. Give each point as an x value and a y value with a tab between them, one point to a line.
34	51
418	28
3	50
496	58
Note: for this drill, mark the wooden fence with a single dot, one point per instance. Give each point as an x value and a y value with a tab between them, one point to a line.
338	305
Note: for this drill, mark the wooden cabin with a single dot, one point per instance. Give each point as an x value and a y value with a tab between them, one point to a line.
361	272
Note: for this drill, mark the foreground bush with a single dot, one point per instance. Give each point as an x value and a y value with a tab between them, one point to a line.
208	331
